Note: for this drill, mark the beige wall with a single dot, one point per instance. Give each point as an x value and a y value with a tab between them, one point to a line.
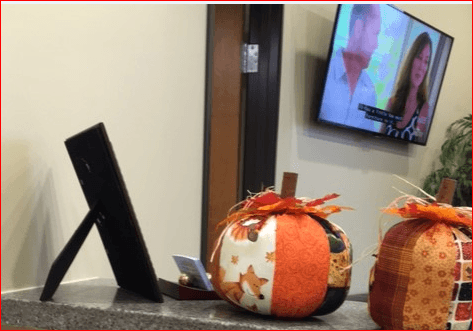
359	168
138	68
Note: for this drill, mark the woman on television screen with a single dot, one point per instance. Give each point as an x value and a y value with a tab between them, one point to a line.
410	96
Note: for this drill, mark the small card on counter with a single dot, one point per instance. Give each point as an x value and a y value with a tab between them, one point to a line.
195	270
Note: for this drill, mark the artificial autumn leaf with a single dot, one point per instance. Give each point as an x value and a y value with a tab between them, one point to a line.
234	259
268	198
318	202
434	212
270	203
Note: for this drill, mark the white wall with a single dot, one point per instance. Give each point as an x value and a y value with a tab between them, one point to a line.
358	167
139	68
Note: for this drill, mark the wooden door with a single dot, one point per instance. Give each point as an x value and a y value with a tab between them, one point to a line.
241	112
223	114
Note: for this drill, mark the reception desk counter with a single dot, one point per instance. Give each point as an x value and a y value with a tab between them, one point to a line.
101	304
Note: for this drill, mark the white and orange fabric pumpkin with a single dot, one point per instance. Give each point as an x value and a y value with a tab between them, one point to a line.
281	257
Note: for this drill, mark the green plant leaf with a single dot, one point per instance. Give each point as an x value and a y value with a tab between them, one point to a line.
455	162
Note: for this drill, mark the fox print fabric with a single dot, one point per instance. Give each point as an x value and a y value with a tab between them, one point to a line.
422	275
276	258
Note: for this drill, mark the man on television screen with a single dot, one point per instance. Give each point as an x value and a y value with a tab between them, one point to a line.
347	84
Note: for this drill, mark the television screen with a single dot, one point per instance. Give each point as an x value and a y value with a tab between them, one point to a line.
384	73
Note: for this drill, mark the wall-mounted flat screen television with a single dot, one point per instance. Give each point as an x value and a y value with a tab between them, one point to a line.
384	72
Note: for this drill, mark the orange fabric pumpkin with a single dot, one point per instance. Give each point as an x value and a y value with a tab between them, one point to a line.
422	275
282	257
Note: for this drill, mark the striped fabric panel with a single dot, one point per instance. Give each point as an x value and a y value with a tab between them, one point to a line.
460	307
431	280
391	277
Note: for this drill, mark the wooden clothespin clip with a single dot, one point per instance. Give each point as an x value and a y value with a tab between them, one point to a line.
446	191
289	183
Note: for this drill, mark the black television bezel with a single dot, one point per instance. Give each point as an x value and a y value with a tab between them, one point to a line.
119	229
377	134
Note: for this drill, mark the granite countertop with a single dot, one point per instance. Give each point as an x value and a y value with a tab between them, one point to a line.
101	304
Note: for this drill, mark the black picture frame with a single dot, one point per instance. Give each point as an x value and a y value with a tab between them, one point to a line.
112	212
